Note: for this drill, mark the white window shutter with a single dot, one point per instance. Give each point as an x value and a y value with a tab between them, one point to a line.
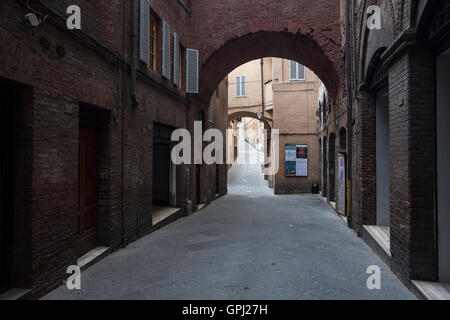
176	60
293	70
243	86
166	50
192	70
238	86
144	50
301	71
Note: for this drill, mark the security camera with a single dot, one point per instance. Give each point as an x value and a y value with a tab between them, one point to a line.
32	20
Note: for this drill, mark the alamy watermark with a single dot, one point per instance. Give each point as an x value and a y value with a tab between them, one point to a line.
214	153
73	282
374	17
74	19
374	280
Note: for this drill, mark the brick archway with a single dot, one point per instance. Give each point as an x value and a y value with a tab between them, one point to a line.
230	33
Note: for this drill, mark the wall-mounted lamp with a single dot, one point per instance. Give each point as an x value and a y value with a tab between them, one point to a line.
33	20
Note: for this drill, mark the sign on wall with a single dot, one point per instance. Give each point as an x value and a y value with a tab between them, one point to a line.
341	183
296	160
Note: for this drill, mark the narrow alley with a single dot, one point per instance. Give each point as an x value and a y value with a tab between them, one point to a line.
250	244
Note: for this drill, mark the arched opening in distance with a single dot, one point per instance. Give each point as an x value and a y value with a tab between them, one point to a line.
284	95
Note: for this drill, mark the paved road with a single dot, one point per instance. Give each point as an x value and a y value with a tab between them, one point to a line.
249	244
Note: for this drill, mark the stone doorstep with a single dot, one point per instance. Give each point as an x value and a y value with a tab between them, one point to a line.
431	290
200	206
333	204
92	257
14	294
381	236
161	213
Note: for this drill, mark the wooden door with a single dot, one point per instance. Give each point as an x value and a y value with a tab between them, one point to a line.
88	183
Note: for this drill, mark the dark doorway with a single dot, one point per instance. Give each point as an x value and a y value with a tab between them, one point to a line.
161	174
331	168
94	214
324	168
443	164
88	183
382	158
320	163
7	119
198	188
162	165
198	167
217	179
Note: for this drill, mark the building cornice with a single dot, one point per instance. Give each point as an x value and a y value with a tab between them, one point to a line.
406	39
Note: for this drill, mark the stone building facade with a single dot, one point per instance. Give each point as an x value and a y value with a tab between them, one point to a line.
88	147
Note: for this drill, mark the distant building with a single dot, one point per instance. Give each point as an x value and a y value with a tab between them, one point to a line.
279	94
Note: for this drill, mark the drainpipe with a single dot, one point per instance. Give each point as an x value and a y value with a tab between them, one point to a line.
122	147
348	58
262	89
133	56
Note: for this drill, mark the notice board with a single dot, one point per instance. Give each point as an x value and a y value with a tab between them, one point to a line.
296	159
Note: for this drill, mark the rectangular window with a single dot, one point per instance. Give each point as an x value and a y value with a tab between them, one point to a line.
182	67
296	71
241	90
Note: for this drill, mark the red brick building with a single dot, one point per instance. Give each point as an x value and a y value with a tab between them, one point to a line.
87	146
89	114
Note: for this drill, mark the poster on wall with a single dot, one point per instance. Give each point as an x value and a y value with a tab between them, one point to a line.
296	159
341	184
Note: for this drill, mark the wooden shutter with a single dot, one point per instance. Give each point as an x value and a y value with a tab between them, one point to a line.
192	70
176	60
166	70
144	30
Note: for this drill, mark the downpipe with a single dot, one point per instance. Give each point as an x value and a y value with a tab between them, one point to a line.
133	55
348	60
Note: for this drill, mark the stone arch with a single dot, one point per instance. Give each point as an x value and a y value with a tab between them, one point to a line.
373	40
376	72
248	114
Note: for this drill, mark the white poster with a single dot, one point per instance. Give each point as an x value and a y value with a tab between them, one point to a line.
341	184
